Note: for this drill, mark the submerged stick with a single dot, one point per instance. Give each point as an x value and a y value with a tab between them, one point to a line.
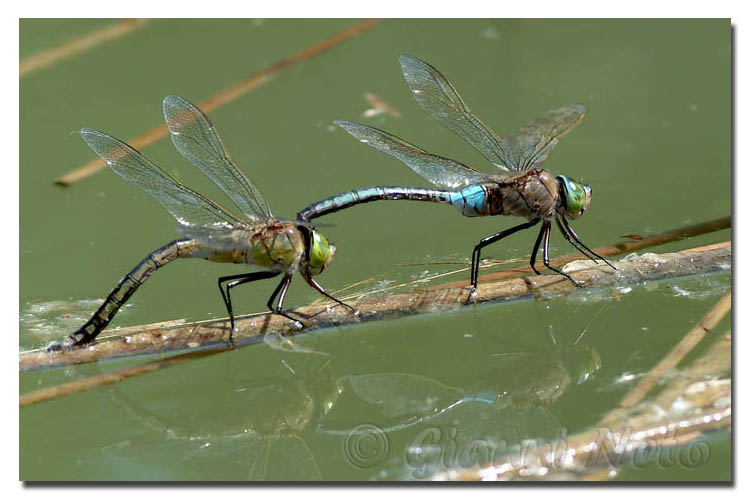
229	94
691	405
673	358
48	393
150	339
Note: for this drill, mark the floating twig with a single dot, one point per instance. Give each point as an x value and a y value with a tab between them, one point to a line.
251	329
379	107
74	47
228	95
618	248
691	405
673	358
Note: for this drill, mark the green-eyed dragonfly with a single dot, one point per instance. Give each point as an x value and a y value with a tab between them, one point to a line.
521	188
210	231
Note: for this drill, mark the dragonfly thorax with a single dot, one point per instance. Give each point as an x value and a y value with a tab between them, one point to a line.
575	197
533	195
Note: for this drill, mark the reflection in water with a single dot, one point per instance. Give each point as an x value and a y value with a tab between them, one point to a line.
440	426
255	434
382	425
42	321
424	425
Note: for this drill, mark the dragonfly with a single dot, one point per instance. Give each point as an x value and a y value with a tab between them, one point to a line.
519	188
210	231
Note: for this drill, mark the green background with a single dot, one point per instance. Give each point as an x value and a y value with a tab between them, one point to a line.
655	146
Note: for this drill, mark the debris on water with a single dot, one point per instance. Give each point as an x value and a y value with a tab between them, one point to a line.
653	258
703	386
636	237
699	289
491	34
379	107
679	291
680	405
626	377
45	319
578	265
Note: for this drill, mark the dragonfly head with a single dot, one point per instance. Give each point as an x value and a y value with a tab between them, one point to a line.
321	253
576	197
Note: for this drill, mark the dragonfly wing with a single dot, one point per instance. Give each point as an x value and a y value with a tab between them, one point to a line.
196	139
530	146
220	238
187	206
437	97
442	172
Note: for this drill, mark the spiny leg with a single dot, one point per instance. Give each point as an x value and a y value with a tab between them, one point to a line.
475	256
323	291
281	290
535	250
578	240
573	242
239	279
545	254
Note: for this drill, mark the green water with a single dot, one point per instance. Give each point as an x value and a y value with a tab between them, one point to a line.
655	146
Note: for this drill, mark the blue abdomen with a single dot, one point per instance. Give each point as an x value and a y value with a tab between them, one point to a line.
470	201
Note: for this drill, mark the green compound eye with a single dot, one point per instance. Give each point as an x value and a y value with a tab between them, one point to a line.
577	196
321	253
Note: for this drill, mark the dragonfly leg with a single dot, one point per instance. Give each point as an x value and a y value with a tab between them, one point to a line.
323	291
281	292
545	254
578	240
573	242
535	250
239	279
476	254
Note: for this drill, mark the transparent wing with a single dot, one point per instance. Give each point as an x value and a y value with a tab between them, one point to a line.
437	97
221	238
531	144
196	139
441	172
403	394
187	206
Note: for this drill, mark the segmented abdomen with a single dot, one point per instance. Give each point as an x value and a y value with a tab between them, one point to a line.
365	195
130	283
471	201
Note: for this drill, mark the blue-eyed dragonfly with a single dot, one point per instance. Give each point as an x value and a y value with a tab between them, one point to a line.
520	188
210	231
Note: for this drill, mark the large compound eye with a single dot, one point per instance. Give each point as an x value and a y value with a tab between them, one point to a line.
577	196
587	190
320	253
